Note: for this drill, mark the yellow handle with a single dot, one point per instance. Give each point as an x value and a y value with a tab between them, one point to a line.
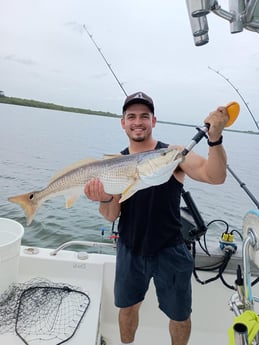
233	109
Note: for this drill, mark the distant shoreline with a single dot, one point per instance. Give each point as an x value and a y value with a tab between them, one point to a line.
52	106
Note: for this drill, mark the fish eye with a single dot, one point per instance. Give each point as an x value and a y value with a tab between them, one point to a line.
31	196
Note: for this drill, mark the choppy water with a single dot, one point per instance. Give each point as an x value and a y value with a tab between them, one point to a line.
35	143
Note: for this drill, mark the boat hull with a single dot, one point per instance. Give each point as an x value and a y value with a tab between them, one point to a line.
94	274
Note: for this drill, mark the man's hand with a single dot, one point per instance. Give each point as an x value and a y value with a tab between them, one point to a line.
217	120
109	205
94	191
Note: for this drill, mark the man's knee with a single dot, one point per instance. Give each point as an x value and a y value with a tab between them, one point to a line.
131	310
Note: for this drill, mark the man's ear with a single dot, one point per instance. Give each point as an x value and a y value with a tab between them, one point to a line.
123	122
153	121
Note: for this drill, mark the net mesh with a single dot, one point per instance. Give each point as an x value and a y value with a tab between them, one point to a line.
40	310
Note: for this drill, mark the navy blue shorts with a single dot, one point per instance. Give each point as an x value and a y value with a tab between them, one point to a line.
171	270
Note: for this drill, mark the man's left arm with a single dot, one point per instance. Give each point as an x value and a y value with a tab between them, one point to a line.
213	169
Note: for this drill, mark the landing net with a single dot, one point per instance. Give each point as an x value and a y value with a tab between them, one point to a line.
40	311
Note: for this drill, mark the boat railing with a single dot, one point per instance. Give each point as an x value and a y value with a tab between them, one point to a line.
81	243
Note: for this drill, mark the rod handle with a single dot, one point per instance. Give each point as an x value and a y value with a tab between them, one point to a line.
233	110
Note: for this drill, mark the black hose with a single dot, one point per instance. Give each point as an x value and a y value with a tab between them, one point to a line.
221	266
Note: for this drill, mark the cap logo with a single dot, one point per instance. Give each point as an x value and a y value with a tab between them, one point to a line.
139	95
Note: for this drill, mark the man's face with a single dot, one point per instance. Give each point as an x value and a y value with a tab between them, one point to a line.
138	122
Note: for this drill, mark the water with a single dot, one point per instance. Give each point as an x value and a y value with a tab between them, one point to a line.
35	143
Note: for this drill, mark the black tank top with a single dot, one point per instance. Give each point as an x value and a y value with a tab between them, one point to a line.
150	219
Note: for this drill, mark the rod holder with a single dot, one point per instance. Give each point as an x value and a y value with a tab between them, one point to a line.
199	8
201	40
242	14
199	27
237	8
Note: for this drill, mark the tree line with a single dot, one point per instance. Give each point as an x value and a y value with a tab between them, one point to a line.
52	106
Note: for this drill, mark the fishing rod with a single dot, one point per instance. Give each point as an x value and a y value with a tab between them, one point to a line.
202	132
239	93
200	225
193	233
233	111
243	185
105	60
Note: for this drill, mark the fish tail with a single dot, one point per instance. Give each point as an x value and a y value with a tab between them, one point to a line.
29	204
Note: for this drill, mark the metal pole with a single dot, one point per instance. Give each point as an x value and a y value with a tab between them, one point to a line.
240	334
250	241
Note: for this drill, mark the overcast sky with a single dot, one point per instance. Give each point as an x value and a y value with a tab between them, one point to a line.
46	55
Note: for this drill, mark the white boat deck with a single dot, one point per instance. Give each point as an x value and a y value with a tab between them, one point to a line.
211	314
66	268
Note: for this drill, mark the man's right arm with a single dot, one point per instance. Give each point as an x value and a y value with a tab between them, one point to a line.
111	210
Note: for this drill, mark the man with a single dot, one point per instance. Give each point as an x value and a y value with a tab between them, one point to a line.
150	243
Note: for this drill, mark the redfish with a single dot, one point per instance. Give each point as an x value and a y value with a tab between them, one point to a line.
120	174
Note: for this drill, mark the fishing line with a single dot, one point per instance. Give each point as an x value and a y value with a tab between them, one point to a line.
241	183
125	93
238	92
105	60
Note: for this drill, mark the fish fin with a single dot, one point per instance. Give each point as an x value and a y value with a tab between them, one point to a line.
112	155
72	166
28	203
70	201
128	192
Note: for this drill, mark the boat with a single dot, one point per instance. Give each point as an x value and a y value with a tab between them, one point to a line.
214	305
64	295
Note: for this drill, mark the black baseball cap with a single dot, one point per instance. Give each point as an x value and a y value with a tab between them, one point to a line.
138	98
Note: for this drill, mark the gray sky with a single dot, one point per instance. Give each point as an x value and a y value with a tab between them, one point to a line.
46	55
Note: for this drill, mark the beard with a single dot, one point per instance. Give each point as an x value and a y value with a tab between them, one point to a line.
138	136
138	139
